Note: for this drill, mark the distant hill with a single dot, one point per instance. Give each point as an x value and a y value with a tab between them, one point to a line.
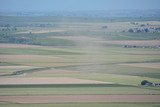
94	13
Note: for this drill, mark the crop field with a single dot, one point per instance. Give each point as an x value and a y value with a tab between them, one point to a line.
74	62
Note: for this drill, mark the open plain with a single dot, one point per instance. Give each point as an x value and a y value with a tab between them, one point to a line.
76	62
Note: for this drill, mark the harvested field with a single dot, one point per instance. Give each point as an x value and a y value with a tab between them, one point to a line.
154	23
5	45
55	80
39	58
41	31
80	98
76	38
52	71
145	65
9	70
135	42
8	45
42	57
15	67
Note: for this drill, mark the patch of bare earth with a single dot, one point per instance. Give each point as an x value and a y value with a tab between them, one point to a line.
145	65
76	38
6	45
8	70
154	23
40	58
14	67
55	80
41	31
51	72
80	98
135	42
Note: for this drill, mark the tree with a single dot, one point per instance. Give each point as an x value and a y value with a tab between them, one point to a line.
14	29
42	25
146	30
130	30
7	25
104	27
145	82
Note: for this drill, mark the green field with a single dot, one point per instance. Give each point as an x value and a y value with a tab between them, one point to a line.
79	48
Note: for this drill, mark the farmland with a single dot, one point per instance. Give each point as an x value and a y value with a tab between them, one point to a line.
78	62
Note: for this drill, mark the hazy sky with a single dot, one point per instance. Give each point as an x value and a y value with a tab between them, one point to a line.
70	5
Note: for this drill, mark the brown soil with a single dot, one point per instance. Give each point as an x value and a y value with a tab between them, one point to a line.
76	38
55	80
135	42
80	98
39	58
145	65
6	45
9	45
52	71
41	31
14	67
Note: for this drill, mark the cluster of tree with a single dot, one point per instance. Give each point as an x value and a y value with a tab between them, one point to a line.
143	28
134	46
6	38
104	27
141	25
41	25
138	30
147	83
36	25
134	23
45	25
7	27
155	28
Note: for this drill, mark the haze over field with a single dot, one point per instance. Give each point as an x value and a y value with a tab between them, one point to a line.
81	8
80	53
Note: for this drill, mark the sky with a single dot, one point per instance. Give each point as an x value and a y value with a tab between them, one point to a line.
76	5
